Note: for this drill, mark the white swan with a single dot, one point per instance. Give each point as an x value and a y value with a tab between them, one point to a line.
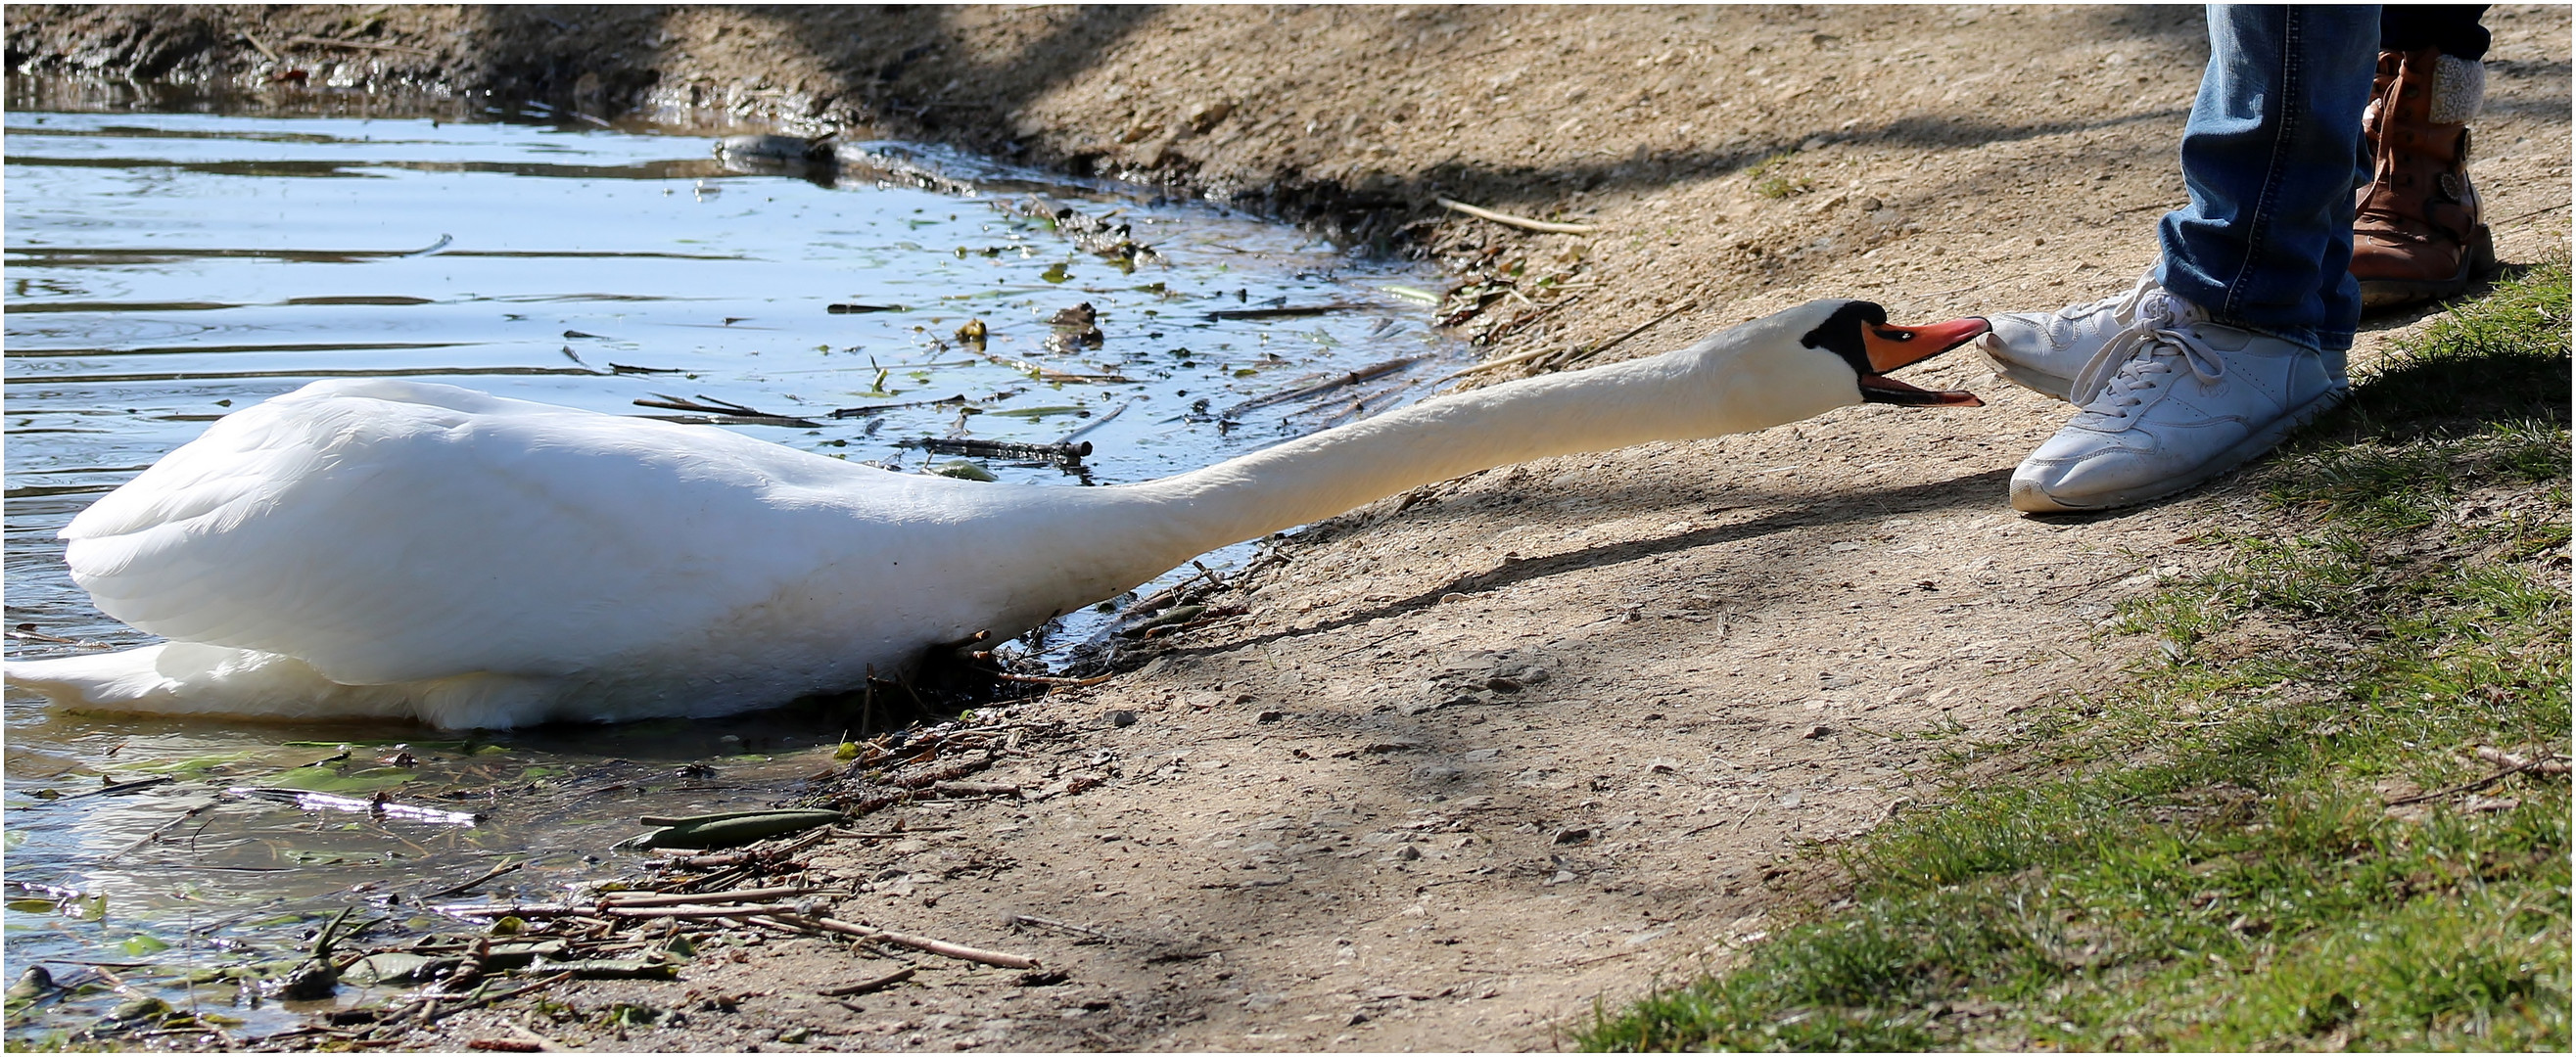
405	550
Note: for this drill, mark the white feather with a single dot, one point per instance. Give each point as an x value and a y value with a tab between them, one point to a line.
390	548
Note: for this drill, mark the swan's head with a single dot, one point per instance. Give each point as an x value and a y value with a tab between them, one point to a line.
1858	333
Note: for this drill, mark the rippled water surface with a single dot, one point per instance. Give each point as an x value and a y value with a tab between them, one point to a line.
163	269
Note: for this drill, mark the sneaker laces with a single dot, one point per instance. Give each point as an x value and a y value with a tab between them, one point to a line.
2131	366
2123	309
2122	306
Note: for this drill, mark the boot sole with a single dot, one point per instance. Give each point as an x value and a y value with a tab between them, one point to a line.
2031	500
2381	294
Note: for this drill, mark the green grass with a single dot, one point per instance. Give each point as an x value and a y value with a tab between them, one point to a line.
2205	857
1769	182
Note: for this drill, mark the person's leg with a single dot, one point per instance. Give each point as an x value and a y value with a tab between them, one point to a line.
2229	161
2419	232
2268	158
2239	333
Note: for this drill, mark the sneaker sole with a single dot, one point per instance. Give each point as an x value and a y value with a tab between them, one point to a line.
2029	499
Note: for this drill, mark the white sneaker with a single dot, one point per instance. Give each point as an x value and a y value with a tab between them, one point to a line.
2044	351
2175	400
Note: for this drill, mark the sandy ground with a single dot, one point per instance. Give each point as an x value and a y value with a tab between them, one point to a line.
1482	755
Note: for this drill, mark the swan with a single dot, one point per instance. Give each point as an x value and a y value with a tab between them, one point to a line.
404	550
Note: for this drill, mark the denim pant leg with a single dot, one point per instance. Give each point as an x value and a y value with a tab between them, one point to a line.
2271	156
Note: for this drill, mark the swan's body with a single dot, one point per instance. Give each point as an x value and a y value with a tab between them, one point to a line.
400	549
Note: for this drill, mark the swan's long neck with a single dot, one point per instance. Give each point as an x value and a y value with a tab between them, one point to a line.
1736	381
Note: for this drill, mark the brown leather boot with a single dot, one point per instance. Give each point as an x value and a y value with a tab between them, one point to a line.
2417	231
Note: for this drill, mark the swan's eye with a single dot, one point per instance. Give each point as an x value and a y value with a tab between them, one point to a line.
1895	335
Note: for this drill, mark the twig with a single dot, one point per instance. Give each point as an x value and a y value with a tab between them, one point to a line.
1686	304
27	635
740	895
710	862
1740	820
1096	423
473	884
1600	958
2151	205
733	420
1573	355
434	1013
329	43
1054	680
2121	575
707	405
1004	449
501	910
2473	786
697	912
255	42
1163	599
773	923
166	827
2529	215
1374	642
1497	362
1523	323
1518	222
1353	378
2547	764
919	943
1283	312
118	788
865	986
1032	919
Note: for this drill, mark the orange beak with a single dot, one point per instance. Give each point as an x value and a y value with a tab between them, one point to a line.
1892	347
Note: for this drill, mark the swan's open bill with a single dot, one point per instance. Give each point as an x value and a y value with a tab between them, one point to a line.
406	550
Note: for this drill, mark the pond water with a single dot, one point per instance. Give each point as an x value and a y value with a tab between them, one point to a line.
166	267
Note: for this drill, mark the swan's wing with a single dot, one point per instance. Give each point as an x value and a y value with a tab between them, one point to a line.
386	531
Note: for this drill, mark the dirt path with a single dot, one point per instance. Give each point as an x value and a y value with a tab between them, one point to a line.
1481	755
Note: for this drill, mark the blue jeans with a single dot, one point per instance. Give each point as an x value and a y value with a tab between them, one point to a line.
2271	156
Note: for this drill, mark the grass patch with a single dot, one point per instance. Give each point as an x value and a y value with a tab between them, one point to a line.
2208	856
1769	182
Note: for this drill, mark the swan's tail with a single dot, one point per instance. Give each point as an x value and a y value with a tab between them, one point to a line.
187	678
